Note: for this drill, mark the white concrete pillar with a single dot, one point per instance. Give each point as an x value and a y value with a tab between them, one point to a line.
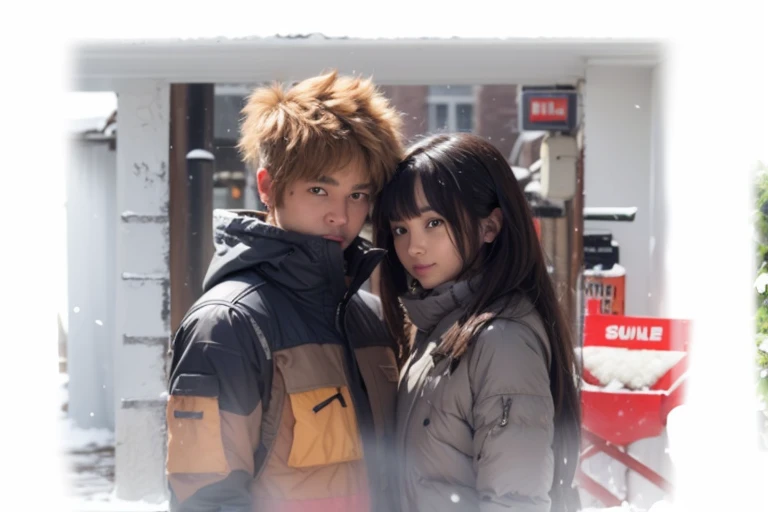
143	292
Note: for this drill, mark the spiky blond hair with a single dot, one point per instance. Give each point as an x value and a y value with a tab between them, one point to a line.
318	126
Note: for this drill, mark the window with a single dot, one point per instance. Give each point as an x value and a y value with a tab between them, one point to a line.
451	108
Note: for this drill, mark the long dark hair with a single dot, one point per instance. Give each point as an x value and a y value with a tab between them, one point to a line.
464	179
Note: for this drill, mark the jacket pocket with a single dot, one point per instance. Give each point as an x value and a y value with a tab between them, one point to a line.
195	444
326	430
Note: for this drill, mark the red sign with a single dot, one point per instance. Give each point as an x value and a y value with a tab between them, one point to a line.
635	332
548	109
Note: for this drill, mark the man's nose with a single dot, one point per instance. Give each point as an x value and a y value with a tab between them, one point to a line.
337	215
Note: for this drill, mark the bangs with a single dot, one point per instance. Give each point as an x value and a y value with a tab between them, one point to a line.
318	158
398	200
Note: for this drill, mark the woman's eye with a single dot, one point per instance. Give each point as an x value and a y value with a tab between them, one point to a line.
317	191
434	223
398	231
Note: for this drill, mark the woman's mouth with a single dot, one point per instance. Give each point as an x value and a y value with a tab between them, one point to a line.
422	269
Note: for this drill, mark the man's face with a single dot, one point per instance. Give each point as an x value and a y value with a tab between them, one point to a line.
334	206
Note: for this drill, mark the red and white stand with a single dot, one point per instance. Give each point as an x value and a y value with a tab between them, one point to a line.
614	419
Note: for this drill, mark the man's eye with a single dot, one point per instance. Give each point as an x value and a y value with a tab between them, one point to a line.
317	191
357	196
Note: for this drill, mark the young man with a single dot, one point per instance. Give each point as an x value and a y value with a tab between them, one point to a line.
283	376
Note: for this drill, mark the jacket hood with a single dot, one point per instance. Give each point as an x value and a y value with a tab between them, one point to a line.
310	266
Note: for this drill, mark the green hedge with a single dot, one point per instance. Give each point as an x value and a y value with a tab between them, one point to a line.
761	316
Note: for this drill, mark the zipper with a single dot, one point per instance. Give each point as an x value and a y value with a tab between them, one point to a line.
363	411
505	406
503	422
325	403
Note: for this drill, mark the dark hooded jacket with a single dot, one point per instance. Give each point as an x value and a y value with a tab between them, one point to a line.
317	434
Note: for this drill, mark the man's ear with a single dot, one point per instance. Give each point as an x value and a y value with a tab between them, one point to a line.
264	184
491	225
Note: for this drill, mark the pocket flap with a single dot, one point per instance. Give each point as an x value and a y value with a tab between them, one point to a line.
189	384
195	442
325	430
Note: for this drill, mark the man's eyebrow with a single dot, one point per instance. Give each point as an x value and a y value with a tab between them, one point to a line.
327	180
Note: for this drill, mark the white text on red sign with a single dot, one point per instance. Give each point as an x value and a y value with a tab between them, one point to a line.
633	333
549	109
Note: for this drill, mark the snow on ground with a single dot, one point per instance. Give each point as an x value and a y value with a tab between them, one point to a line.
89	465
89	455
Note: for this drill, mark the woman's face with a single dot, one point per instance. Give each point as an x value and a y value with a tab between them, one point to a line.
425	245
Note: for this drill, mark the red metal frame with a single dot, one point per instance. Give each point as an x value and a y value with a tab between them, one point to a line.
611	420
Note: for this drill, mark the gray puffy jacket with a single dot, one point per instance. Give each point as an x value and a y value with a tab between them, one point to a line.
475	435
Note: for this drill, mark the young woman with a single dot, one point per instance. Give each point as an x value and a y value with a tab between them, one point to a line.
488	412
